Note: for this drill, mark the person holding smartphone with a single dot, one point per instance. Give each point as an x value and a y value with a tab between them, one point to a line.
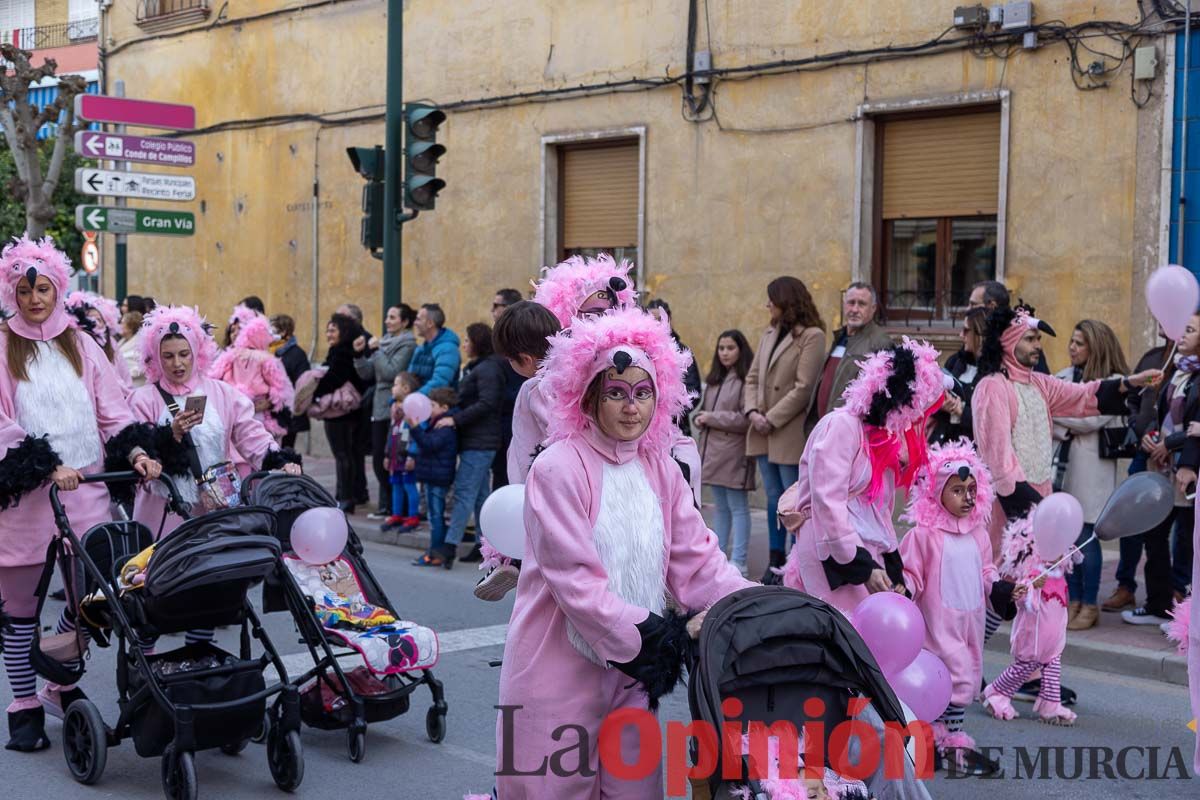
205	423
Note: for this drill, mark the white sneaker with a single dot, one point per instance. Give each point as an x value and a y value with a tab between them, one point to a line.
1140	616
1165	628
497	583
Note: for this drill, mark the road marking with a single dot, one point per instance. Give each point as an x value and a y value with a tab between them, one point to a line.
448	642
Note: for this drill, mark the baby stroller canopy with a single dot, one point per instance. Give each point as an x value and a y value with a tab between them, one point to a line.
235	544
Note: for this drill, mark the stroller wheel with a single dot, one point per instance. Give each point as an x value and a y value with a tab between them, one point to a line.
435	725
285	756
260	736
235	748
357	744
85	742
179	775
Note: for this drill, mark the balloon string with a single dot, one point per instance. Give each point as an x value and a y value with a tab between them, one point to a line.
1170	355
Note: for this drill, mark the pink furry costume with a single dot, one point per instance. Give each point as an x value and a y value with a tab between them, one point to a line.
949	572
230	427
1039	632
79	304
849	471
250	367
1013	408
611	527
55	417
1186	635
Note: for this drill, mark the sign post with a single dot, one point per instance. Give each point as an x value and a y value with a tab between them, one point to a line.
143	185
144	149
161	222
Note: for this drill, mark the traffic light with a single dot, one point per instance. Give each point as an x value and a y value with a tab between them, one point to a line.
421	154
369	162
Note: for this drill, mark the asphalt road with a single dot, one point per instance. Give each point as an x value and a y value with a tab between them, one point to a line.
1115	712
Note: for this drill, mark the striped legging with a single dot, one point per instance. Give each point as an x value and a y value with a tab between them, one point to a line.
1019	672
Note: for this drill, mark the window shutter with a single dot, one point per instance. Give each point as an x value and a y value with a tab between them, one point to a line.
947	166
599	193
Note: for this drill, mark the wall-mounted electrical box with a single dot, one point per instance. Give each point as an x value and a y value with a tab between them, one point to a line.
1017	15
970	17
1145	63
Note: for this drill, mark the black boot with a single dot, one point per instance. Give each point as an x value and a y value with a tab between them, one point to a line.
27	730
473	557
770	577
449	553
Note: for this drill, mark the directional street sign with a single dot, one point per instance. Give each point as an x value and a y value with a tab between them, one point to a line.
146	149
146	185
139	113
135	220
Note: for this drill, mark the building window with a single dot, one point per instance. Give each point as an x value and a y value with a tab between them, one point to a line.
938	177
598	198
160	14
17	19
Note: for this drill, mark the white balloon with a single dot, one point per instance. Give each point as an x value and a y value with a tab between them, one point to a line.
502	520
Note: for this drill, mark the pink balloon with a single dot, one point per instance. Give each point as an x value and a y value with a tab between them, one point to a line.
924	686
1173	295
1057	521
417	407
319	535
892	627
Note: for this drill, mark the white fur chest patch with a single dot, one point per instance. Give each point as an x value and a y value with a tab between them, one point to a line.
630	540
209	438
55	403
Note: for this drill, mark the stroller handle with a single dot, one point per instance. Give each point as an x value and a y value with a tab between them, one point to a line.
60	513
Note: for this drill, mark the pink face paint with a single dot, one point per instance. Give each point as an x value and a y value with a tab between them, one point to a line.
616	390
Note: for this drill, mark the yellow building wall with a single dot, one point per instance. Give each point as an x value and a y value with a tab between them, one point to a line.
725	211
50	12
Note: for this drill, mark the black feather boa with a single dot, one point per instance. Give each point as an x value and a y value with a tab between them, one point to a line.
172	454
26	468
275	459
659	665
116	456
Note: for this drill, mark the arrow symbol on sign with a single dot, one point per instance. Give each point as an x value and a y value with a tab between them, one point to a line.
94	182
91	144
95	218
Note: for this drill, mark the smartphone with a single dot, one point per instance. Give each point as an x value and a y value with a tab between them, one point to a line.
196	404
1190	492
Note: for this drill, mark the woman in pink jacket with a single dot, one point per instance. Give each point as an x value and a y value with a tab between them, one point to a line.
176	350
611	527
60	411
949	573
101	319
855	458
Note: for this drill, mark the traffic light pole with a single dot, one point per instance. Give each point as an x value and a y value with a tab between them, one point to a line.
122	249
393	155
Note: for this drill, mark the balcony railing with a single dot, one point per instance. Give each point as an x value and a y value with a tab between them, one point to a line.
152	14
46	36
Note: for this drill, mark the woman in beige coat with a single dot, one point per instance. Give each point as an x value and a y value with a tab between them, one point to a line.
780	388
726	469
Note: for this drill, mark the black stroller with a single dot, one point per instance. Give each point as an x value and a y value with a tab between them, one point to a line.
288	496
773	648
196	697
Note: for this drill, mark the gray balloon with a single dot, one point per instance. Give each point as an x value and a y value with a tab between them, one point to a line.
1139	504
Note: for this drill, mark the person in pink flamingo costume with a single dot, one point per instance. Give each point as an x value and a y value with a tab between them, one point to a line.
250	367
62	416
611	527
576	288
950	575
1186	635
177	351
100	318
841	507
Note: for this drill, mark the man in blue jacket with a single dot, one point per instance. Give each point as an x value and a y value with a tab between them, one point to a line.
436	360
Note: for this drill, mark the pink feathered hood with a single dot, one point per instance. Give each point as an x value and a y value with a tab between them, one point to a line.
900	387
590	346
79	303
25	258
925	510
255	334
563	288
188	323
243	314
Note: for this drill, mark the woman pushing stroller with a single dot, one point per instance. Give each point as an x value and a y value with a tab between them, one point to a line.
61	413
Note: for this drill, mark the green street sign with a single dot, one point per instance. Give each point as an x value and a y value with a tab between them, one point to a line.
135	220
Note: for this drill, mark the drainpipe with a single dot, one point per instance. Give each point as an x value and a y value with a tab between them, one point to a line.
316	242
1183	135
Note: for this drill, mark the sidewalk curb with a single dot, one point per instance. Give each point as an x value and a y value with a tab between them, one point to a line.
1116	659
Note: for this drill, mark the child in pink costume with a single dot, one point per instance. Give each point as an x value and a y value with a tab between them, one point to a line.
846	543
228	428
1039	632
948	570
251	368
611	527
101	319
62	419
